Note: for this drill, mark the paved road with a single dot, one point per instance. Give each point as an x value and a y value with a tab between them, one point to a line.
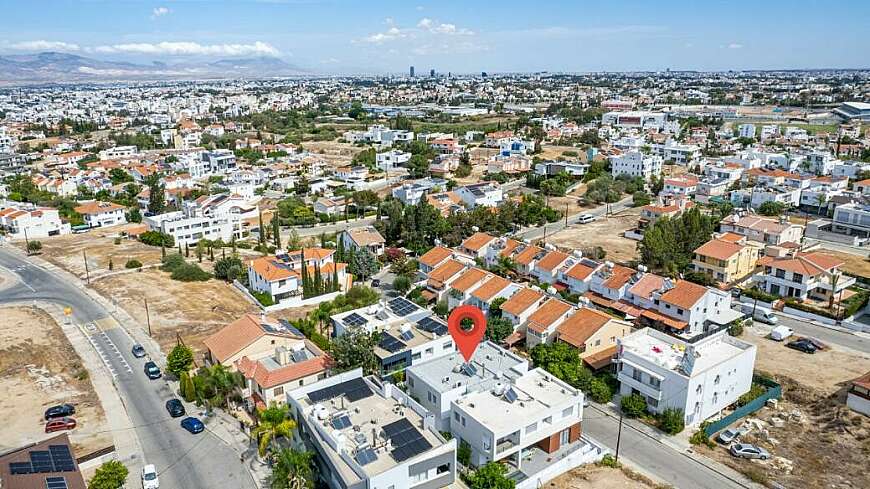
339	226
652	457
842	247
554	227
826	335
183	460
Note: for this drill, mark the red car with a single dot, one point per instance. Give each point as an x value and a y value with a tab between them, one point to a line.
60	424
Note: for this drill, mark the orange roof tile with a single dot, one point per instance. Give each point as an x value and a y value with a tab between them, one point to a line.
552	260
580	272
581	325
509	246
809	264
647	284
435	256
271	269
446	270
97	207
477	241
267	379
619	276
490	288
685	294
235	336
526	256
719	249
547	314
521	301
468	279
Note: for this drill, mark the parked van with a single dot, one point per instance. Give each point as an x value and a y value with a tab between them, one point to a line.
780	333
759	314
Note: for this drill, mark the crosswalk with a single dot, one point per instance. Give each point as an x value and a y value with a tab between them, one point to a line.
108	351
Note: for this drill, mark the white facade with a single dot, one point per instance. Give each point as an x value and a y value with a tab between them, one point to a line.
118	152
487	194
701	378
391	159
636	164
22	222
746	130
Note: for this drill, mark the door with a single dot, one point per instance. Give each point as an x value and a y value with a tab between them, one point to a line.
564	436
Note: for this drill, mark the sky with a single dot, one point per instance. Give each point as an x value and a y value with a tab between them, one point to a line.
449	35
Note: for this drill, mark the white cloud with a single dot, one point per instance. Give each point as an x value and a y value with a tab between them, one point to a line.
735	45
159	12
426	28
190	49
42	45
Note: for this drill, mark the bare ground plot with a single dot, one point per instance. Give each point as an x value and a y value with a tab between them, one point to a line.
604	232
826	371
194	310
335	153
855	264
38	369
68	251
814	439
553	152
596	477
572	200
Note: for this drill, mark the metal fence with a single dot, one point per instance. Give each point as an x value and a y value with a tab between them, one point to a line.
773	391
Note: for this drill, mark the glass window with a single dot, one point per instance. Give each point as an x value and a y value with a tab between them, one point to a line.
567	412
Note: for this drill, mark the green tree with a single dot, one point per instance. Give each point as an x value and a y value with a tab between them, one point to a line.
227	267
493	475
186	388
276	231
495	307
356	348
272	423
633	406
179	360
134	215
668	245
672	421
402	284
498	328
157	238
156	198
640	199
33	246
772	209
363	264
110	475
293	469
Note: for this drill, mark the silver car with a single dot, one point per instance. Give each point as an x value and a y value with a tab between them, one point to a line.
729	435
746	450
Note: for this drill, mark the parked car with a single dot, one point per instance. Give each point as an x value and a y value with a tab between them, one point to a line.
780	333
138	350
585	218
149	477
152	370
192	425
175	408
729	435
376	282
802	344
759	313
735	292
60	411
746	450
60	424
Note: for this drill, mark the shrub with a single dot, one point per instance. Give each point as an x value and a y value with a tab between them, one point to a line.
600	392
755	391
700	438
34	246
735	328
608	461
672	421
133	264
117	241
463	453
110	475
756	293
190	272
179	360
172	262
157	238
264	298
223	268
633	406
187	389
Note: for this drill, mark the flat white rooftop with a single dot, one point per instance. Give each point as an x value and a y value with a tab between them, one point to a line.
668	352
491	364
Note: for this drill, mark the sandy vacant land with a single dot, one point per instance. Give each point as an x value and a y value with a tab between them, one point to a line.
826	371
595	477
858	265
192	309
39	369
335	153
553	152
99	244
604	232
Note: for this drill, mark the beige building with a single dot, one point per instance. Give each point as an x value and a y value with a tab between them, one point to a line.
726	258
594	334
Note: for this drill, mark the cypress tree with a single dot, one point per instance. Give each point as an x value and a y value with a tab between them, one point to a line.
276	231
335	285
318	281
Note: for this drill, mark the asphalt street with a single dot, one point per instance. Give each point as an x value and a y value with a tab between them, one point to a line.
183	460
554	227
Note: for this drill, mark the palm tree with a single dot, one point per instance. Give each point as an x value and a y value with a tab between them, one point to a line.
220	383
834	279
272	423
293	470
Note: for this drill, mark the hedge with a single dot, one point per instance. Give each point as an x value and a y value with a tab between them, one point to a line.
756	293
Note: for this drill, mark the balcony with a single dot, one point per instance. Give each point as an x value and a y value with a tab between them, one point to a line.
647	389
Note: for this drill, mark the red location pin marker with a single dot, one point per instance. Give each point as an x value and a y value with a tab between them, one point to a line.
467	339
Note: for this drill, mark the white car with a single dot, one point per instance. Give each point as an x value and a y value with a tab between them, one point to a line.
149	477
585	218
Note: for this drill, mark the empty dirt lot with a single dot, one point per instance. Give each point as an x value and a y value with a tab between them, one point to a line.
68	251
595	477
604	232
192	309
39	369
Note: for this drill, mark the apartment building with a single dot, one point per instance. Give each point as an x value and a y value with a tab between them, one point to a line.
486	194
101	214
390	160
636	164
803	276
21	221
762	230
700	377
409	334
726	258
368	434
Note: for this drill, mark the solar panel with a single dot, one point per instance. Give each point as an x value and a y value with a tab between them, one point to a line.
390	343
341	422
412	449
55	483
397	427
402	307
354	319
432	325
300	355
20	468
353	390
469	369
365	456
62	458
41	461
406	336
510	395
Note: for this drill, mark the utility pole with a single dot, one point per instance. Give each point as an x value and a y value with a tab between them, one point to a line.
147	316
26	242
87	270
619	436
566	215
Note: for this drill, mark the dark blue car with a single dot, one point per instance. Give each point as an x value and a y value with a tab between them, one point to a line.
192	425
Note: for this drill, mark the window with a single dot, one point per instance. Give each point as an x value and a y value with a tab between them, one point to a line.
716	380
565	436
411	381
442	469
548	420
448	345
680	311
655	382
301	381
568	412
653	403
430	351
598	342
278	391
637	375
796	277
532	427
456	416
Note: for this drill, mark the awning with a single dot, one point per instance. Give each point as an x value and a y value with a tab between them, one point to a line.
514	338
597	361
661	318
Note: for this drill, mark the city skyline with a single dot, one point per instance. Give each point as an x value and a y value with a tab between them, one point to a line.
342	37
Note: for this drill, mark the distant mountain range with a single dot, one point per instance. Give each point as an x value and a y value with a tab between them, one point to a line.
52	67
